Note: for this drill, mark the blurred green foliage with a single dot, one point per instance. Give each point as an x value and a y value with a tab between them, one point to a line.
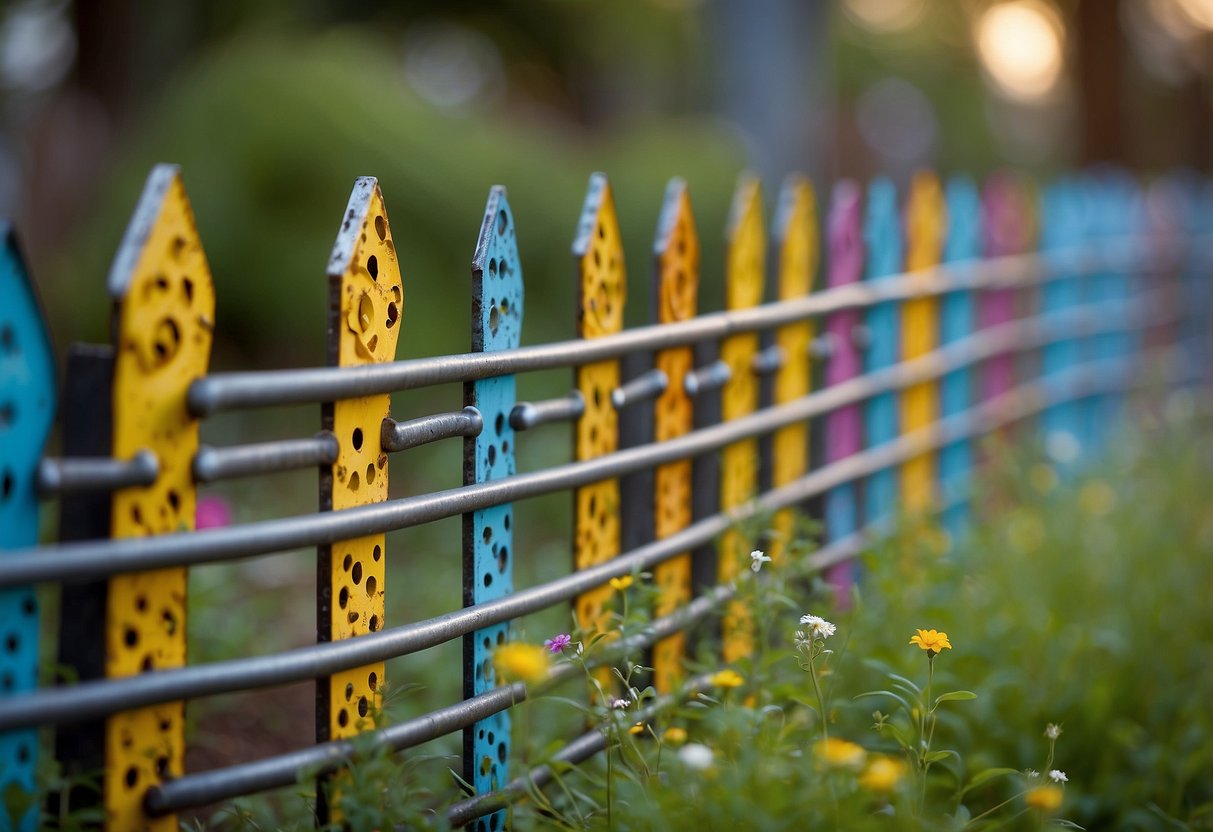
270	130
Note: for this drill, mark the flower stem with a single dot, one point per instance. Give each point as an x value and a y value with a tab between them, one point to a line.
821	703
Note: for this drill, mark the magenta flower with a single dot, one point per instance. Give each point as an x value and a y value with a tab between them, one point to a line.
556	644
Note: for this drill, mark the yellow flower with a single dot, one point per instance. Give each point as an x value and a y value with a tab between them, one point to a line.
839	753
638	728
882	774
518	662
931	640
620	584
727	678
1045	798
675	735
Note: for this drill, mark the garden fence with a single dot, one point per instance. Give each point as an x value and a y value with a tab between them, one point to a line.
949	313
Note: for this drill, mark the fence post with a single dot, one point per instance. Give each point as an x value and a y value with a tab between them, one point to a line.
844	426
956	322
925	223
27	408
675	298
1007	224
885	255
365	302
1061	229
799	252
601	294
163	325
744	281
488	535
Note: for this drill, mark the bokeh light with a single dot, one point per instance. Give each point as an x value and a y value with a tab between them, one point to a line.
1199	12
884	15
1021	45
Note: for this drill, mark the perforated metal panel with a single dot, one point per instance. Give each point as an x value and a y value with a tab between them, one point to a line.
163	323
366	303
797	242
27	406
744	280
675	297
925	224
601	293
488	535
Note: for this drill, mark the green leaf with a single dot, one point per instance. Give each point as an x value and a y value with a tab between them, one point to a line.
936	756
888	693
954	696
905	682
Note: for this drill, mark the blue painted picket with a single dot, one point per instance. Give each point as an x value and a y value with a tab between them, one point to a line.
885	249
958	317
1063	228
27	407
488	545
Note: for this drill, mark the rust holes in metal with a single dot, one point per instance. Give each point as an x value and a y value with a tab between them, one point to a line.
371	585
372	680
349	691
7	485
8	340
343	598
356	439
380	228
372	267
393	314
363	706
503	223
370	473
343	718
356	573
355	481
374	623
166	340
377	552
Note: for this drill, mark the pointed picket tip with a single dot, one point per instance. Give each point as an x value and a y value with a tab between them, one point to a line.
497	288
964	220
745	233
845	234
366	297
601	273
797	237
882	229
676	256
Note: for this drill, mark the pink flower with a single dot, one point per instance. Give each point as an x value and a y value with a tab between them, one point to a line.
212	512
556	644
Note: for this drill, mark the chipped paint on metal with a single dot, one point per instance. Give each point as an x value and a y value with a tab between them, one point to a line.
27	407
366	302
163	324
488	534
675	298
601	294
744	281
925	224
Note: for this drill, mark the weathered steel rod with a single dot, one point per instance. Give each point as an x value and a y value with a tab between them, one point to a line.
400	436
68	475
213	464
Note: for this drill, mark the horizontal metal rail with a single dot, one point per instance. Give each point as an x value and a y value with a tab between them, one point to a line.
88	560
93	699
267	388
212	464
198	789
401	436
70	475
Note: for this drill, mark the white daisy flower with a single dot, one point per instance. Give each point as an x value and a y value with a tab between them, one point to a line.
757	559
1031	773
696	755
1058	776
1052	731
818	626
619	704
